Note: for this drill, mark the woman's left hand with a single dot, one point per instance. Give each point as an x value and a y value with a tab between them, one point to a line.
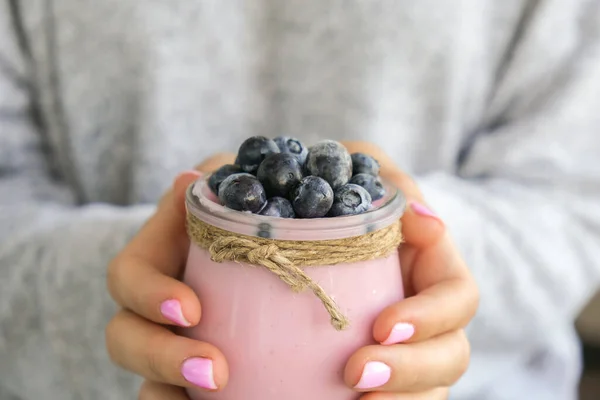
423	349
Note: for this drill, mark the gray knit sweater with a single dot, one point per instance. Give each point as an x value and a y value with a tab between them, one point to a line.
493	105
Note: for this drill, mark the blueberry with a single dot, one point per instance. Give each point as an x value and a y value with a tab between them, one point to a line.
312	198
364	164
292	146
253	151
371	183
330	160
242	192
278	207
350	199
217	177
279	173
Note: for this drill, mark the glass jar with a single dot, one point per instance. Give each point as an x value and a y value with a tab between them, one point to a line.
279	344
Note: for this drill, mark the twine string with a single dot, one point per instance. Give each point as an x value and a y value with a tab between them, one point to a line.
284	258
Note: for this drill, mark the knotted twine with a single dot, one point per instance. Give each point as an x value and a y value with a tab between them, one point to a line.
285	258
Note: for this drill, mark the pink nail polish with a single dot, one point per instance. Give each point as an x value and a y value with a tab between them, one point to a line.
171	310
422	210
375	374
400	332
199	371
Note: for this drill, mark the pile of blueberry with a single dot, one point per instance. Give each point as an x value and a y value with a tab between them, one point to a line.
283	178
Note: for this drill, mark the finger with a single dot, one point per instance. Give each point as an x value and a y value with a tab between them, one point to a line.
420	225
186	178
139	287
388	169
146	289
435	394
160	391
446	299
159	355
146	283
140	278
409	367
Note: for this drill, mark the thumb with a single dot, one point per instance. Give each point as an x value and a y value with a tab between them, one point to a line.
185	179
421	227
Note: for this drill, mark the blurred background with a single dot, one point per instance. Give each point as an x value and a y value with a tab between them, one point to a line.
588	326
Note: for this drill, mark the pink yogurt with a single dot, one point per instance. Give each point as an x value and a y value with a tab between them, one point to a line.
280	345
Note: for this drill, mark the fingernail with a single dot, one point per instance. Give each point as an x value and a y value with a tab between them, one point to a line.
422	210
199	371
400	332
171	310
374	375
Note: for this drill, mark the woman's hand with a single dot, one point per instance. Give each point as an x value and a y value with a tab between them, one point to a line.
423	347
143	280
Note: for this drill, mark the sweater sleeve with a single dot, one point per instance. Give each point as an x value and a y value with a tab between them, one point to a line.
53	257
524	203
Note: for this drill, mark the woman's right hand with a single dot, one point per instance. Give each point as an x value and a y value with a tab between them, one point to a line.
143	280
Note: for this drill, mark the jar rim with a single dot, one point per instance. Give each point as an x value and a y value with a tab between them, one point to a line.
200	204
